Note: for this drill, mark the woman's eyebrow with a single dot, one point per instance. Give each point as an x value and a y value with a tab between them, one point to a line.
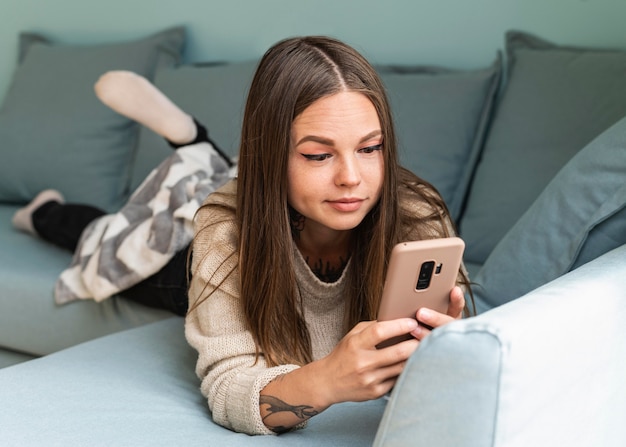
372	134
330	142
316	139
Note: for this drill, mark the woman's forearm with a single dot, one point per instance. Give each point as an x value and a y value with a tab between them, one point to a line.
292	398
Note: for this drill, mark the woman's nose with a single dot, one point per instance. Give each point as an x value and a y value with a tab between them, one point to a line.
348	173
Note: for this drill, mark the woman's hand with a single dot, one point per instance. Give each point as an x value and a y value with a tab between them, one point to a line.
429	318
354	371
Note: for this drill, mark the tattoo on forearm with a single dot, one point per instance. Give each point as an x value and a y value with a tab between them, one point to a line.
275	405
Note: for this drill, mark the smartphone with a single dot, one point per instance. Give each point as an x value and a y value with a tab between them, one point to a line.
420	274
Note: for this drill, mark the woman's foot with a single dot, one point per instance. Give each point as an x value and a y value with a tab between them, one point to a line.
23	218
135	97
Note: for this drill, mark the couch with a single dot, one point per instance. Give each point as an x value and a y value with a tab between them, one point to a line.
530	155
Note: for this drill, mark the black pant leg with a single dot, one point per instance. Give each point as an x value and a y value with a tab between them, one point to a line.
166	289
202	136
62	224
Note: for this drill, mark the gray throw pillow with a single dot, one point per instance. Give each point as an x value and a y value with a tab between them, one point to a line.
441	118
55	133
556	100
579	216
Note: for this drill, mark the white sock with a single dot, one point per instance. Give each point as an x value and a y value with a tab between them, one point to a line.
23	218
135	97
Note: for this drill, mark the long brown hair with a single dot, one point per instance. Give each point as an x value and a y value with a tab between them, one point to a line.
291	76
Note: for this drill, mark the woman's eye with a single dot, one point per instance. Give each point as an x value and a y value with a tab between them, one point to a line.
370	149
316	157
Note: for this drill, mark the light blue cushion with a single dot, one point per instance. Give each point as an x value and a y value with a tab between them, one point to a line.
136	388
580	215
441	117
30	321
55	133
556	100
544	370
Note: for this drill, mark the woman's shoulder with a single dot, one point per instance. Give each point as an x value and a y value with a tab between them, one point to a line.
226	195
215	222
219	205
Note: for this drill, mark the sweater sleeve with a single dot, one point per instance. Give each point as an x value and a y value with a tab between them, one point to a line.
231	378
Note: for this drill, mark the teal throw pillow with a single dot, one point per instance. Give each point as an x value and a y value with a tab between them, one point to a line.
441	117
556	100
579	216
55	133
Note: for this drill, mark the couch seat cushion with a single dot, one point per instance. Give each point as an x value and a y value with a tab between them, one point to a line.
30	321
138	387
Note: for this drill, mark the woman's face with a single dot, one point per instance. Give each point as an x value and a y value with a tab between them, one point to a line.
336	165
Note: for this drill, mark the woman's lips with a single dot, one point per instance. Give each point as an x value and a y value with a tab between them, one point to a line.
346	205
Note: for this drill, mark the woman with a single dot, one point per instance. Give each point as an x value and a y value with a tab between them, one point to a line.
289	259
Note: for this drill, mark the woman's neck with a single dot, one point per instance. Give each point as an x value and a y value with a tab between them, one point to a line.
326	257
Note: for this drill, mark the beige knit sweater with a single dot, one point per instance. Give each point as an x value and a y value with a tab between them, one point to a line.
231	381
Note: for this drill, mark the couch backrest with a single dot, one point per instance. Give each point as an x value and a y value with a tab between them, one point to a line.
489	162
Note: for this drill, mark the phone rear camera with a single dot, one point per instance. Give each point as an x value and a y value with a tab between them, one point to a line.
425	274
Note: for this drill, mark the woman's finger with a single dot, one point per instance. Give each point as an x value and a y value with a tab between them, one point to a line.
432	318
457	303
385	330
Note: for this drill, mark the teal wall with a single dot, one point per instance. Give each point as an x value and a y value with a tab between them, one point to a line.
454	33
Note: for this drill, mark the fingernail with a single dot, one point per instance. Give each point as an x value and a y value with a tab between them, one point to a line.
425	313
